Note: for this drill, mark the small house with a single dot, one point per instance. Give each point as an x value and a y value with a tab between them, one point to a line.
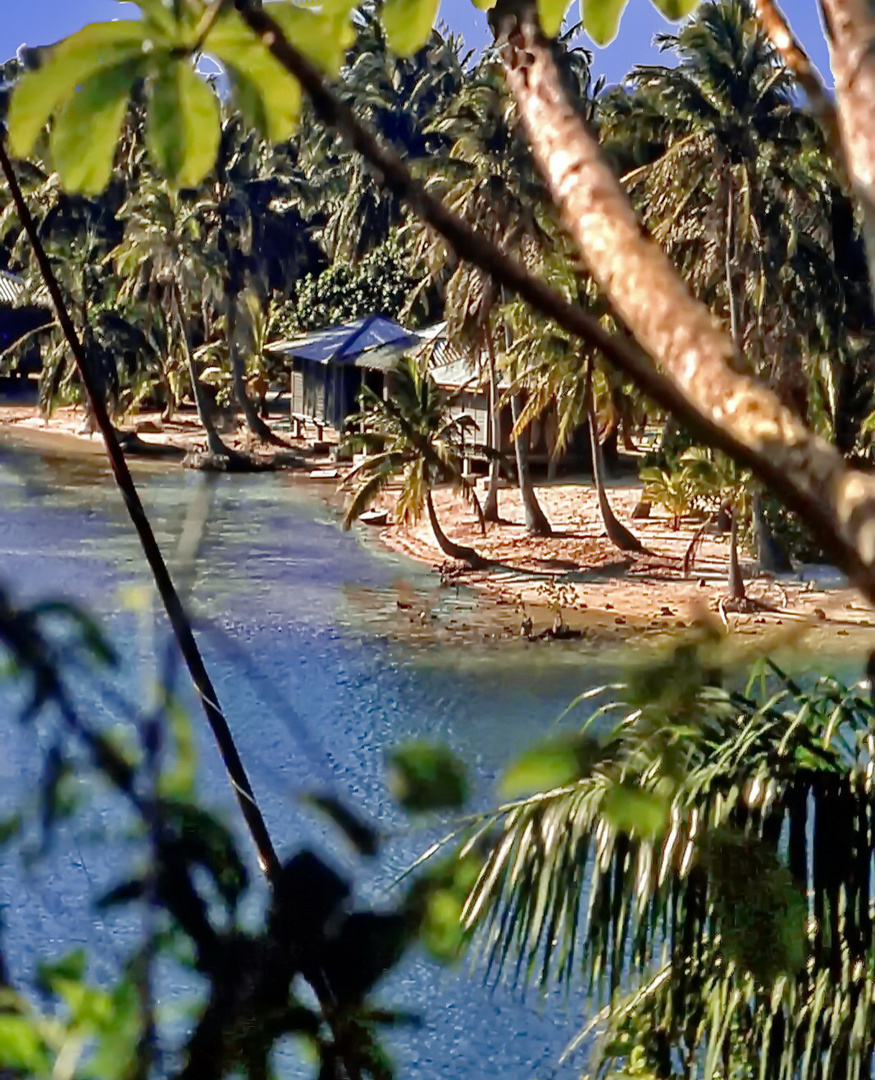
330	367
18	319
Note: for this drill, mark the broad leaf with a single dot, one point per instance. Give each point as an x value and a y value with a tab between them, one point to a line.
550	765
86	130
183	128
426	777
636	811
408	23
96	48
267	96
552	15
324	34
675	9
21	1046
601	18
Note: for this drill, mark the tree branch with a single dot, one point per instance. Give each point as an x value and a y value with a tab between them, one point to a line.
850	26
680	397
176	613
693	351
797	60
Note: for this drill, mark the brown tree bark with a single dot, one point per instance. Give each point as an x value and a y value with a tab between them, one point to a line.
449	547
537	523
490	506
215	446
676	330
850	27
617	533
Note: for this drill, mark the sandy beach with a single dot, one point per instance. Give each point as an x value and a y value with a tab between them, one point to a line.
576	574
603	592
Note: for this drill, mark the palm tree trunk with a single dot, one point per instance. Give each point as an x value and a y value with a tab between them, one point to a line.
771	556
254	423
737	590
537	523
215	446
447	546
734	328
618	534
490	506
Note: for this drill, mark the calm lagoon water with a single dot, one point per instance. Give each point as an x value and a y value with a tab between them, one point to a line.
318	671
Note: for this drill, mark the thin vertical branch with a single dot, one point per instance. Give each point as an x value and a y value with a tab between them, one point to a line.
850	26
797	60
176	613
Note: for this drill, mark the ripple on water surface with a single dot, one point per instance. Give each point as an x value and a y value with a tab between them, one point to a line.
302	631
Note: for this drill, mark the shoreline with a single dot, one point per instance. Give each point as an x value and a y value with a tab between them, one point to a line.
606	594
599	594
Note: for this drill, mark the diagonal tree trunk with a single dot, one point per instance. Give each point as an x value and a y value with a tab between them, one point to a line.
850	30
537	523
254	423
692	351
697	377
449	547
215	446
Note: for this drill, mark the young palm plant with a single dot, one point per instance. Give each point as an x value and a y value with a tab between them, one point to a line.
704	867
411	435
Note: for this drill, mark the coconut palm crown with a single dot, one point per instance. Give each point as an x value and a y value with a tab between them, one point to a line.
410	435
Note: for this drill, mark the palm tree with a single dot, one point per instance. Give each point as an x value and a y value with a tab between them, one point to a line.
398	97
562	378
731	177
488	177
704	870
251	216
410	433
164	256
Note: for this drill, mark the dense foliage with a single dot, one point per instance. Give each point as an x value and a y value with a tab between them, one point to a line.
706	864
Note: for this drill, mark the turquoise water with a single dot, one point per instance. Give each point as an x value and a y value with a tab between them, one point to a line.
319	670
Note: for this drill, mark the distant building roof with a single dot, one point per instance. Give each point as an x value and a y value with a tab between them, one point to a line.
350	343
13	289
377	343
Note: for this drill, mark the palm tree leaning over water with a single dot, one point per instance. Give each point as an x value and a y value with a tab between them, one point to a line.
412	436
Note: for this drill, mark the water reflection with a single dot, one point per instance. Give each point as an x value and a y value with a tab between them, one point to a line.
307	632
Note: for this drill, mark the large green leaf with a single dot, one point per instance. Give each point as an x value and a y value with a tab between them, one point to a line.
267	96
550	765
86	130
408	23
675	9
183	129
21	1046
323	33
426	777
601	18
97	48
552	15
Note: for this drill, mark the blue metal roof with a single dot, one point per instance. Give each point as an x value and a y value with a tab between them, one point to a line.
346	343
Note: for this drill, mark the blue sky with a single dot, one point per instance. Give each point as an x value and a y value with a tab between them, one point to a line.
38	22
